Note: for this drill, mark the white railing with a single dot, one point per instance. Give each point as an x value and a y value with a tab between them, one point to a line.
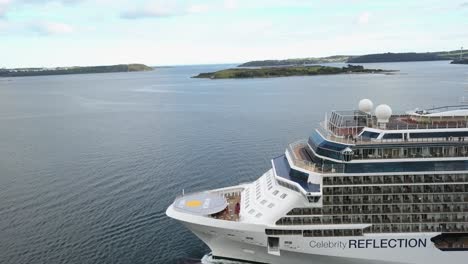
308	165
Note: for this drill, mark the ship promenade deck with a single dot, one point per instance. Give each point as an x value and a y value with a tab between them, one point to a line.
301	157
407	141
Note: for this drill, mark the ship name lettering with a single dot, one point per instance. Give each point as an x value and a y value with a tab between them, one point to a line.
387	243
328	244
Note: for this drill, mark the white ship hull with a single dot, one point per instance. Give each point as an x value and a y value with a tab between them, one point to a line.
381	249
389	195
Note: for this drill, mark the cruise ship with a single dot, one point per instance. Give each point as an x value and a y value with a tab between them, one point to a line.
367	186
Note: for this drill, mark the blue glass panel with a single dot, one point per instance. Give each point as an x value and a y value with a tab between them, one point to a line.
282	167
283	170
393	136
406	166
438	134
369	134
326	148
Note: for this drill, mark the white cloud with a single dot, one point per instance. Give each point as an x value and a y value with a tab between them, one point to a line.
363	18
52	28
4	6
230	4
156	9
198	8
161	9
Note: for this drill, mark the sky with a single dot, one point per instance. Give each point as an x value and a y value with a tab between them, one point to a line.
48	33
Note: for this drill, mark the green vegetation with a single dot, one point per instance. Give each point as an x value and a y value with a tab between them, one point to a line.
396	57
409	56
289	62
73	70
381	57
285	71
462	61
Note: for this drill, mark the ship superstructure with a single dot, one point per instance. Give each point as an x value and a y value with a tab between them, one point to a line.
367	186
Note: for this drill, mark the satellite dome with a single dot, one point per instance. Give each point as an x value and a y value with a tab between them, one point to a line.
383	113
366	105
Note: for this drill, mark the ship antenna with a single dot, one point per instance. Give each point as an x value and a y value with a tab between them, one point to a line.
461	53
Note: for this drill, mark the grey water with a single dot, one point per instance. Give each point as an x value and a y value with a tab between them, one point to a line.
89	163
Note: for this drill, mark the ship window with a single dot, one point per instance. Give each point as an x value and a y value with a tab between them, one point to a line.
369	134
271	205
258	215
251	211
392	136
275	192
263	202
439	134
283	196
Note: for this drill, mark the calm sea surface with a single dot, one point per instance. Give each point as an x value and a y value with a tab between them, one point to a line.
89	163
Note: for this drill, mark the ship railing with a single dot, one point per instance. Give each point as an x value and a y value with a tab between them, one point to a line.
226	192
367	141
230	192
309	165
411	155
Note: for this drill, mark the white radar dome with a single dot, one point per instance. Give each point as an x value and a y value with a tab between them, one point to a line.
383	113
366	105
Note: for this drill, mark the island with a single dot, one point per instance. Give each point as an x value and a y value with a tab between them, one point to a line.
17	72
303	61
269	72
409	56
460	61
379	57
396	57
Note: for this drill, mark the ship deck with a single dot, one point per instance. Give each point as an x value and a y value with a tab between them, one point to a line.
230	213
302	157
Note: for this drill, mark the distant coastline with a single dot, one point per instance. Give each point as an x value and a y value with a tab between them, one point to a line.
460	61
303	61
269	72
453	55
21	72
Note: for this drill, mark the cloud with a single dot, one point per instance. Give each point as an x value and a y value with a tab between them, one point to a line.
464	4
157	9
4	6
147	13
363	18
164	9
199	8
65	2
51	28
230	4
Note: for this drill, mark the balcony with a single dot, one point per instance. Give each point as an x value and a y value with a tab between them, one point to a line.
301	157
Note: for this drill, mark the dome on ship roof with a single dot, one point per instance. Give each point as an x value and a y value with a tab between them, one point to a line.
383	112
366	105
